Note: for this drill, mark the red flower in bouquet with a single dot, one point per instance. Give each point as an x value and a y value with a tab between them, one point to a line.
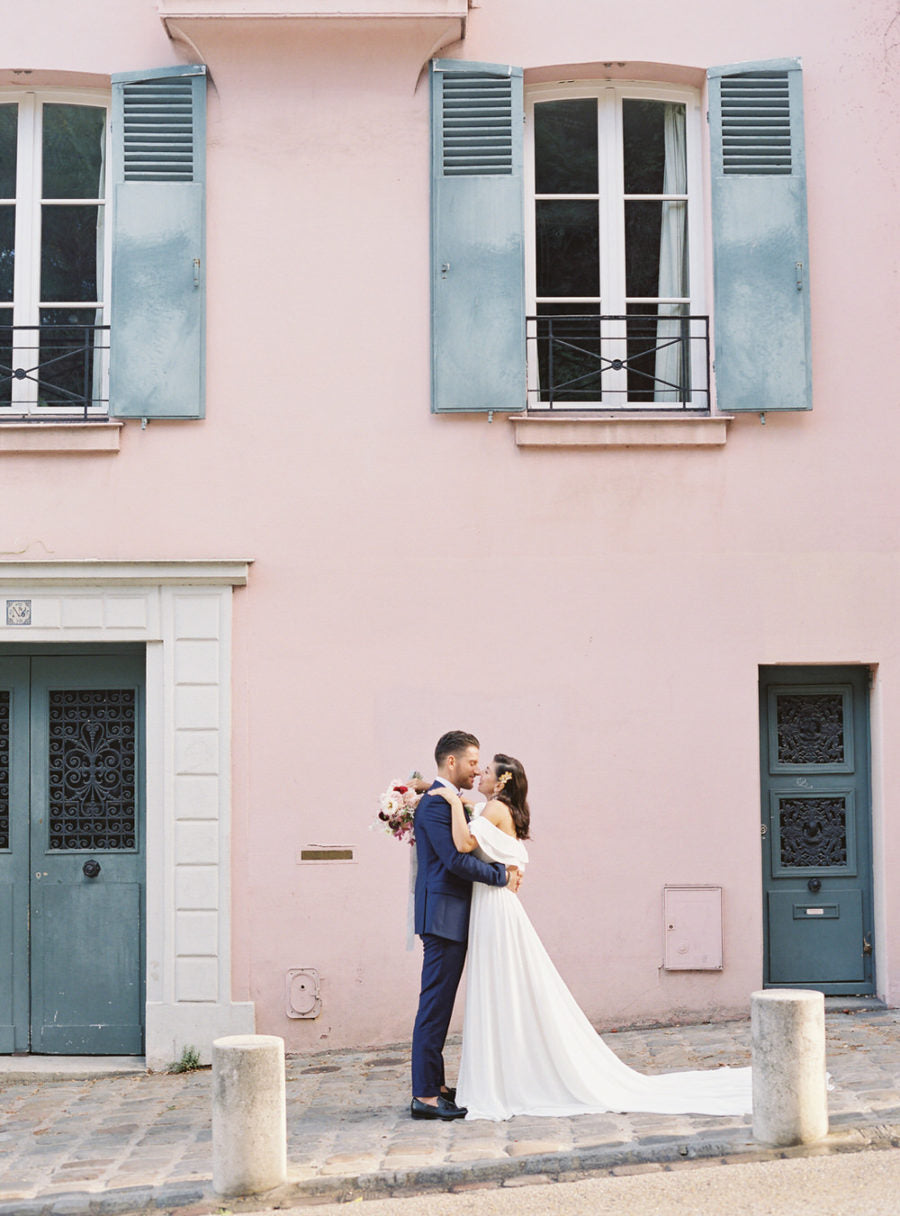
397	807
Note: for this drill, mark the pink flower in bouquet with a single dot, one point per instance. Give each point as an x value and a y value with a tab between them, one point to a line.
397	807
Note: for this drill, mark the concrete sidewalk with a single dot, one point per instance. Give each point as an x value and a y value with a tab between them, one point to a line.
135	1143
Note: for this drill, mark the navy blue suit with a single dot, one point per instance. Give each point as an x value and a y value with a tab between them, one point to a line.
443	896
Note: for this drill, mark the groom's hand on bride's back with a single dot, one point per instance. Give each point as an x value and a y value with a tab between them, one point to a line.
513	878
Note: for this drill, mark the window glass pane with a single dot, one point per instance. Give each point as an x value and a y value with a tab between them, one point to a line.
7	251
659	353
74	151
568	350
656	249
5	355
565	146
9	117
654	146
70	240
68	348
568	248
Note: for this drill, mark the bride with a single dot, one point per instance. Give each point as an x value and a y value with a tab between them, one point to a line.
527	1047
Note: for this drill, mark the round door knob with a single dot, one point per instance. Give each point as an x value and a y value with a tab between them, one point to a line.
814	884
91	868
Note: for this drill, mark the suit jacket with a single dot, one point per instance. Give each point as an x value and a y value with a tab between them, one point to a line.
444	877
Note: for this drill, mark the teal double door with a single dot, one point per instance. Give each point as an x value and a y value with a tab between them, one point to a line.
72	853
817	829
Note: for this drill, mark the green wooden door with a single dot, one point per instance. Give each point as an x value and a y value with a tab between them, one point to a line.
816	823
14	853
73	882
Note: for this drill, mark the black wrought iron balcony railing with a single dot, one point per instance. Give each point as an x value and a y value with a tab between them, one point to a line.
51	372
647	360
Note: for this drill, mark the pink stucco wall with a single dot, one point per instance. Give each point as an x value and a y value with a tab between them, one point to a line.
599	613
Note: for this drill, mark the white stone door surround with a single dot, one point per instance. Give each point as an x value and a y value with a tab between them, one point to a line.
181	611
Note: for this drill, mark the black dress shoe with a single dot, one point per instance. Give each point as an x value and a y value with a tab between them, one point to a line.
449	1092
443	1110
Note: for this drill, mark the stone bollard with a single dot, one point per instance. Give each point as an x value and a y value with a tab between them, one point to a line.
790	1100
249	1125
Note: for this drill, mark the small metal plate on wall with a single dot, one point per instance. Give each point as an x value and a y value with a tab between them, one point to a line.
18	612
318	853
302	993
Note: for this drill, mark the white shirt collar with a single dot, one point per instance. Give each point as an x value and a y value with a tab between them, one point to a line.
449	784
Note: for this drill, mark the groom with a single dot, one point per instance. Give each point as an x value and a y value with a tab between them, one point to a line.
443	895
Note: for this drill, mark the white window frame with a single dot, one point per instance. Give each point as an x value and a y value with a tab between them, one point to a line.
611	93
27	304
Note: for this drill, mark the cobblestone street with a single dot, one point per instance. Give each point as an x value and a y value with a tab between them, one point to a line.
126	1143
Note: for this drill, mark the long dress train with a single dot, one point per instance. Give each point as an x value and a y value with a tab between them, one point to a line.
527	1047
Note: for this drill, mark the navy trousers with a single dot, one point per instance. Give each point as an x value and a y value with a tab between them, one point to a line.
442	967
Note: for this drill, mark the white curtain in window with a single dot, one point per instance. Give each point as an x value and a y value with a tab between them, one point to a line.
98	377
670	359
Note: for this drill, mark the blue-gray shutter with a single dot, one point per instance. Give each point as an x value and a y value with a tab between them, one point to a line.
760	244
477	237
157	308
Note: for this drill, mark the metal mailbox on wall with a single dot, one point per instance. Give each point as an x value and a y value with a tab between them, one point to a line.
302	995
693	928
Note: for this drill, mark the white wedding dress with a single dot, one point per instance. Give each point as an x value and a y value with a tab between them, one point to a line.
527	1047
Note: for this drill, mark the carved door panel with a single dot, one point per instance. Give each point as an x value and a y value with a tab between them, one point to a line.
816	821
71	735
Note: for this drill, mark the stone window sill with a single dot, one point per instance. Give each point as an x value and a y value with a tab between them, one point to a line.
218	10
619	431
60	438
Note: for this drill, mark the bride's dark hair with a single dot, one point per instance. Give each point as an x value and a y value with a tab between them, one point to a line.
514	792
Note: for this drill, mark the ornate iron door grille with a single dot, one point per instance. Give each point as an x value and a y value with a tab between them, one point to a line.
811	731
813	832
92	803
810	728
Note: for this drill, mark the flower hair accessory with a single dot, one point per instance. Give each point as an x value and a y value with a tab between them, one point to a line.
502	780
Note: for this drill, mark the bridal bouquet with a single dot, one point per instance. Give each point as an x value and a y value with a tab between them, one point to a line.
398	807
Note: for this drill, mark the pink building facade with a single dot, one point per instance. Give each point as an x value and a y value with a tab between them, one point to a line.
377	368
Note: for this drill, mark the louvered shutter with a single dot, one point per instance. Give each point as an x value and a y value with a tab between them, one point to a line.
760	244
157	307
477	238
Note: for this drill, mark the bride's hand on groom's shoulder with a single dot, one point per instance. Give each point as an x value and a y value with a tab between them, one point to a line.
448	795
